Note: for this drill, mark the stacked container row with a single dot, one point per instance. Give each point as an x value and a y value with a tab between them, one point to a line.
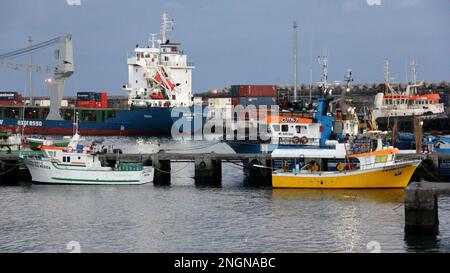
92	100
10	98
254	95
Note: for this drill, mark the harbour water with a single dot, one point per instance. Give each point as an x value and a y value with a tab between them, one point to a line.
183	217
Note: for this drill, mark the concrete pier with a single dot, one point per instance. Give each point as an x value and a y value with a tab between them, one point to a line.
208	171
421	207
9	171
162	172
260	171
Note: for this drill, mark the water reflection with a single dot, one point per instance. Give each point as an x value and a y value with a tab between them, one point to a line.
375	195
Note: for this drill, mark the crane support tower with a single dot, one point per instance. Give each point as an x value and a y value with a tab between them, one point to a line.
63	70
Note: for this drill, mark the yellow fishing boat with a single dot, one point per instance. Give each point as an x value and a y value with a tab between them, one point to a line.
376	169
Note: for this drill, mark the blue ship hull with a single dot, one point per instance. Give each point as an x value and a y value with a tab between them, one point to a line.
139	121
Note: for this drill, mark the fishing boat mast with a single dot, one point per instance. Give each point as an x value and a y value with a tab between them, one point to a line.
295	59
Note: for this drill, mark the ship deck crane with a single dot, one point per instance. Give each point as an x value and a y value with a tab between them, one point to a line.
63	70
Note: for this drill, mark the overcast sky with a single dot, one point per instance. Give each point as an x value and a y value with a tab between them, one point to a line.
233	41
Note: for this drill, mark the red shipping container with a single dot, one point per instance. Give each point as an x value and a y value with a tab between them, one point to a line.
8	102
86	104
257	91
104	100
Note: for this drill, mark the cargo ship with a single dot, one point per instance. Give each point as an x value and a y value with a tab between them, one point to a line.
159	79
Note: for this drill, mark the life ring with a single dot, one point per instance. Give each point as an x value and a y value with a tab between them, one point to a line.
303	140
69	149
314	166
296	140
340	166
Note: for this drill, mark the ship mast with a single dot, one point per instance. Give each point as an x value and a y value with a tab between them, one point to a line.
30	78
324	78
414	71
386	71
387	77
414	76
153	40
166	26
295	60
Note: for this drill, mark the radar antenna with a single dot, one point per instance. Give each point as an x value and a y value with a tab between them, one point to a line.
166	26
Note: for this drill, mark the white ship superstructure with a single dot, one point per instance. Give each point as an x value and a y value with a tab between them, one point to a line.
392	103
159	74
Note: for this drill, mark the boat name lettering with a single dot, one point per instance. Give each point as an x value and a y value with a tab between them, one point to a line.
29	123
289	120
39	165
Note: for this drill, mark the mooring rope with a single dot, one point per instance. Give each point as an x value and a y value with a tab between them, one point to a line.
8	171
11	164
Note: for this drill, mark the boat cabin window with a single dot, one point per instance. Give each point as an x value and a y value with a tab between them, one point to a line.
300	129
284	128
276	127
66	158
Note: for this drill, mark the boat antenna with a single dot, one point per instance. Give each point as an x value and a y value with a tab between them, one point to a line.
75	124
310	83
348	79
324	62
30	78
386	71
166	26
153	40
414	71
295	28
387	77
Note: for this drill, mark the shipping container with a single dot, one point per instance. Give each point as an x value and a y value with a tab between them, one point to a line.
10	102
257	101
8	96
257	91
234	90
86	104
92	100
86	96
104	100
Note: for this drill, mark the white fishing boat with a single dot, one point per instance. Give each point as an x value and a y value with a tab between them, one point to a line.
78	164
395	103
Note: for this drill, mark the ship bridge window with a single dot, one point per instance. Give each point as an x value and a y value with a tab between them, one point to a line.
276	127
284	128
